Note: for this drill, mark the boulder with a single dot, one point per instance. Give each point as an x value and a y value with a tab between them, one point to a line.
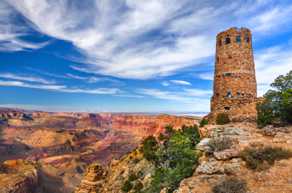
226	154
204	145
209	167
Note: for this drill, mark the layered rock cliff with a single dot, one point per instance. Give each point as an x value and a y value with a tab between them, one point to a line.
63	144
18	176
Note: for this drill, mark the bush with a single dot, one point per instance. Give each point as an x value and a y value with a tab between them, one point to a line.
277	105
149	147
203	122
127	186
220	144
231	185
264	114
138	186
261	158
175	158
222	119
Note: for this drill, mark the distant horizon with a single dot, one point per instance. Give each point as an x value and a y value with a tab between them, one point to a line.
199	114
130	56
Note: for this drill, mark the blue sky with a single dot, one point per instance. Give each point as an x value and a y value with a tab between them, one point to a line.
130	55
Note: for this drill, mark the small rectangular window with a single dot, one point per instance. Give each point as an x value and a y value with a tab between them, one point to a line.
238	39
227	40
229	94
246	38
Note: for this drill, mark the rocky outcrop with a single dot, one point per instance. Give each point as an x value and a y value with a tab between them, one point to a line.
113	178
18	176
216	167
93	179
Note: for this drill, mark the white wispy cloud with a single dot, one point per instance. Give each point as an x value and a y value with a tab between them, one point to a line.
26	78
11	33
181	82
186	95
92	79
206	76
61	88
197	100
146	39
272	19
270	63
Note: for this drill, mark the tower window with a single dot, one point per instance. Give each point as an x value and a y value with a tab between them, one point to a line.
227	40
227	108
229	94
238	94
238	39
227	74
217	59
246	38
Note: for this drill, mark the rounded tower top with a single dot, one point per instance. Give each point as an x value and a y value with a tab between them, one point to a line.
234	36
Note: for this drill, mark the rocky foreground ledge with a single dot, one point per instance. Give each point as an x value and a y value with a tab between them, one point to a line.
219	166
222	165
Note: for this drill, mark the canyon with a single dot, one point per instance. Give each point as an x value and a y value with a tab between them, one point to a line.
51	151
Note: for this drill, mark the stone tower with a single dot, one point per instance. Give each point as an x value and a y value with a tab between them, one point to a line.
234	77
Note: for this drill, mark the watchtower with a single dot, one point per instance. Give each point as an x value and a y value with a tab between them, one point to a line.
234	77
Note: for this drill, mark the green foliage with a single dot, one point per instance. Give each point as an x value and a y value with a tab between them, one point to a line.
138	186
127	186
282	82
174	158
203	122
149	147
220	144
133	177
222	119
277	106
230	185
191	132
263	157
264	114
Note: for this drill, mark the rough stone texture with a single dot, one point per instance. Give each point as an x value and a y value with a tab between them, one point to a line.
204	145
211	171
226	154
93	180
18	176
235	90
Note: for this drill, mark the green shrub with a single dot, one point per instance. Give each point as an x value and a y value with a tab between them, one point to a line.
277	105
132	177
231	185
175	158
261	158
138	186
127	186
222	119
203	122
264	114
220	143
149	147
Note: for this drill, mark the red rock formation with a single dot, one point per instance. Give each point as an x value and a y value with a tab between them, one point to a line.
63	143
